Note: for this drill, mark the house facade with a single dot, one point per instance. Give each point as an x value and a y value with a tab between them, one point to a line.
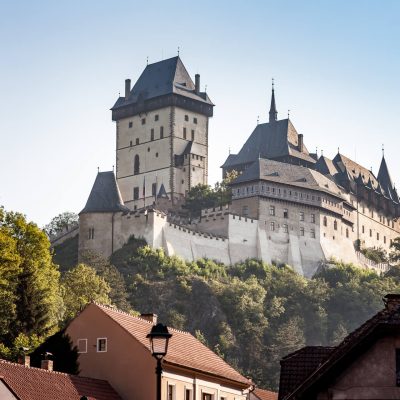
113	346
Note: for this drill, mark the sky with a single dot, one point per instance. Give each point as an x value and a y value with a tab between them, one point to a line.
62	64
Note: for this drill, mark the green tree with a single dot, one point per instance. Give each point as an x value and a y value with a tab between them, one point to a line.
394	255
81	285
61	222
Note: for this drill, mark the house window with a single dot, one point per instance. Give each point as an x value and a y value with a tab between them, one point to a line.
397	367
188	394
154	189
143	121
313	233
171	392
272	226
272	210
152	134
130	124
206	396
192	135
285	228
285	213
195	120
156	117
184	133
136	165
325	221
313	218
136	193
245	211
161	132
91	233
82	346
186	117
301	216
335	225
301	231
101	345
137	140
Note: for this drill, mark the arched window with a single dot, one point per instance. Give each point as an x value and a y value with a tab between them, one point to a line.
136	165
325	221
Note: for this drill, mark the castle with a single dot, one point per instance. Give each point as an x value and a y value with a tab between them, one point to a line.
288	205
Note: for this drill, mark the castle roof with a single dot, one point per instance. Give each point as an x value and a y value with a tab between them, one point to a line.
28	383
270	140
386	182
162	78
326	166
289	174
105	195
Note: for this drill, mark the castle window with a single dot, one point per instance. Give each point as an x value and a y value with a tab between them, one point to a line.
267	189
182	181
285	213
245	211
347	232
377	235
136	165
272	210
285	228
130	124
313	233
301	231
325	221
195	120
384	239
137	140
272	226
186	117
91	233
143	121
130	143
370	233
161	132
136	193
148	149
335	225
156	117
184	133
156	154
154	189
152	134
192	135
313	218
392	224
363	229
301	216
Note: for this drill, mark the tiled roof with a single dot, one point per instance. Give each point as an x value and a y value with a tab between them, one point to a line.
346	351
271	140
295	367
39	384
162	78
263	394
183	350
105	195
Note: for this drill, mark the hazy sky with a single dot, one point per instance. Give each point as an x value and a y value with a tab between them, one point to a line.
336	66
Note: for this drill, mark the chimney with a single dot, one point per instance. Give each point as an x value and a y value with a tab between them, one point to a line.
300	145
197	83
150	317
392	302
47	364
127	88
24	360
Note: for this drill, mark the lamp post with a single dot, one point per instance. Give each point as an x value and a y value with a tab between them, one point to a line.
159	338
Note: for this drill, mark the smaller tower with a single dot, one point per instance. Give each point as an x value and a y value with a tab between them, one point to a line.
273	113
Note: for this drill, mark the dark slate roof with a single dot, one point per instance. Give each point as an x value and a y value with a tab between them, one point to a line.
195	148
270	140
105	195
296	366
289	174
162	193
357	342
162	78
326	166
385	181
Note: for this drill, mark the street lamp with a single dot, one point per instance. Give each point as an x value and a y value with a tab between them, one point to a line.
159	338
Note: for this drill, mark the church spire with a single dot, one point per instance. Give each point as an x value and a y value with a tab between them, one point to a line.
273	114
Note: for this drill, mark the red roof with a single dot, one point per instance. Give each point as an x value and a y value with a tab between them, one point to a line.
263	394
183	349
38	384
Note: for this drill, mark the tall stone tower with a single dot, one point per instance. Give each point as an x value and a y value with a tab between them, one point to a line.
161	135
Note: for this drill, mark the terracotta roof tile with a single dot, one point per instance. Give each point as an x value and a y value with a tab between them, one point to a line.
263	394
38	384
183	350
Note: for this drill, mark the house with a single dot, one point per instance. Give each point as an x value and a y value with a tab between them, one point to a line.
365	365
262	394
113	346
21	382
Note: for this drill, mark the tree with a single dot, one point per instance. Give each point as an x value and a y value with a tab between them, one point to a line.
61	222
33	280
394	255
377	255
81	285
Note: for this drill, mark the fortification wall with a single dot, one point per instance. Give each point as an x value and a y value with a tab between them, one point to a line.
66	234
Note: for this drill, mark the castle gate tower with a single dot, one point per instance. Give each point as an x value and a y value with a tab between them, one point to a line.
161	135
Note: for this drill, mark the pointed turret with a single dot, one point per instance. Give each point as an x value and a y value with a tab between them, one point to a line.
385	181
273	114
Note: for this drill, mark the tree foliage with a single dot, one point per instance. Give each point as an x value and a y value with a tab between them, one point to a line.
61	222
